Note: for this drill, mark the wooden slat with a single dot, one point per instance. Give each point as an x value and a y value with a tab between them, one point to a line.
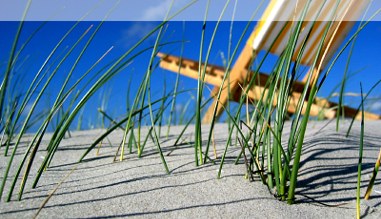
213	74
214	77
320	107
267	31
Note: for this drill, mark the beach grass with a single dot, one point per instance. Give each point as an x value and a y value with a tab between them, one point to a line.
266	149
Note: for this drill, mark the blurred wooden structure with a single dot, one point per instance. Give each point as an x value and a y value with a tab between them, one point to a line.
272	34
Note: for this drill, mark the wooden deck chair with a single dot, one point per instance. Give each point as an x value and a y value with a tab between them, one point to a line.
271	34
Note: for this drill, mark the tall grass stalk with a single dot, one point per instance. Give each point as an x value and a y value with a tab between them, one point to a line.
116	67
276	165
191	119
120	123
142	88
30	114
228	57
340	108
69	116
270	119
343	82
80	119
303	126
149	73
5	81
346	44
373	177
32	89
173	105
315	89
105	96
145	87
109	118
249	86
57	106
360	157
35	142
162	106
15	94
200	89
359	107
201	75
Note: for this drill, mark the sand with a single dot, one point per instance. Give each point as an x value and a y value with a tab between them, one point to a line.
139	187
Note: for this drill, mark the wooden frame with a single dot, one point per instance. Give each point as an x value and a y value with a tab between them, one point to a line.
276	32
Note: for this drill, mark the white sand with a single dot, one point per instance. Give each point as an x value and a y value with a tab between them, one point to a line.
140	188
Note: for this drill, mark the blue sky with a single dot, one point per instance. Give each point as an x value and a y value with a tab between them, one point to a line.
122	35
142	10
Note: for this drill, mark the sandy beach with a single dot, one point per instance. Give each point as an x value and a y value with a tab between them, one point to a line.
139	187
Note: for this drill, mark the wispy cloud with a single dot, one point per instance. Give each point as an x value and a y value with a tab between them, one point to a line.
139	29
27	108
157	12
375	107
136	31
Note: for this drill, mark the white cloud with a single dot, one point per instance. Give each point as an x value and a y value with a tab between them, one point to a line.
375	107
135	32
139	30
157	12
27	108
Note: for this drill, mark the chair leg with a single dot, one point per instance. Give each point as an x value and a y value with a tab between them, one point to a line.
224	98
237	74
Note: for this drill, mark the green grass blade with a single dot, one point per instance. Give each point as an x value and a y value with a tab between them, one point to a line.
22	131
373	178
190	121
360	157
176	85
8	70
117	125
198	131
340	108
201	87
359	107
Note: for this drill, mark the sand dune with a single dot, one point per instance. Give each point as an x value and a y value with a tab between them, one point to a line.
140	187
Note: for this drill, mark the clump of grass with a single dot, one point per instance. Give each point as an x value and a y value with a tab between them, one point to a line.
262	148
68	102
277	164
